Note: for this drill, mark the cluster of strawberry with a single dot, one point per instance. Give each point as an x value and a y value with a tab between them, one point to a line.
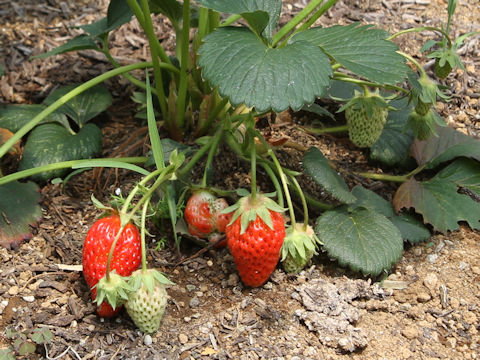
255	234
146	299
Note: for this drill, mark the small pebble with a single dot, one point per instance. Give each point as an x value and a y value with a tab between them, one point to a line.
91	327
73	324
432	258
209	263
29	298
463	265
190	287
410	332
423	297
147	340
13	290
183	338
194	302
476	270
187	319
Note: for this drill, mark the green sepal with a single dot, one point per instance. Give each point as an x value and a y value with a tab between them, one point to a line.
115	290
368	102
298	242
148	278
250	209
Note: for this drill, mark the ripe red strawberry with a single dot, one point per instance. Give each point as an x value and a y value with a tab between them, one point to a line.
255	237
126	256
204	217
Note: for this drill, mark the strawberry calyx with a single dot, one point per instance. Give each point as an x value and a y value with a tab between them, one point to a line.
148	277
249	208
299	241
114	289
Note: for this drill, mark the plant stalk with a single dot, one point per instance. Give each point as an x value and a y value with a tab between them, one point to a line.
283	180
184	64
157	72
211	153
420	29
329	130
290	26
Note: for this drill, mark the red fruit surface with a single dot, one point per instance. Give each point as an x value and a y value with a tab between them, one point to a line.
256	252
203	215
198	214
126	256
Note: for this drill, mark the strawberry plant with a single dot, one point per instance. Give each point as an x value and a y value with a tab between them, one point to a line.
234	72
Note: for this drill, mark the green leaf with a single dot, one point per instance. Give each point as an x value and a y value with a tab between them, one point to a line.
318	110
26	348
170	8
251	11
42	336
464	173
362	239
13	117
51	143
248	71
18	210
81	42
316	165
83	107
7	354
411	229
2	70
361	49
393	146
448	145
113	163
153	134
118	13
439	203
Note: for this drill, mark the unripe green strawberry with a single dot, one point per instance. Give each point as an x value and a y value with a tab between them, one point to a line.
442	71
147	302
422	108
298	248
364	130
422	125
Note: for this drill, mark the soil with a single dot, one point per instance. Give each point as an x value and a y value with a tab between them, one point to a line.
427	308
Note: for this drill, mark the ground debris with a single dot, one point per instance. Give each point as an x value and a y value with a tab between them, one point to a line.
328	311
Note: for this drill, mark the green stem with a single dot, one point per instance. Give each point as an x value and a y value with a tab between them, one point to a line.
213	20
302	15
382	177
212	116
65	98
322	10
134	191
137	11
283	179
314	202
415	62
67	165
142	235
184	64
195	158
112	249
230	20
133	80
215	142
420	29
253	162
344	77
275	182
329	130
157	72
203	26
303	200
